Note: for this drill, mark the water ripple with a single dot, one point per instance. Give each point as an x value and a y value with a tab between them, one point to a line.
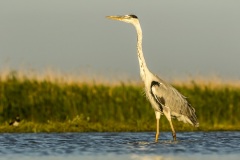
138	144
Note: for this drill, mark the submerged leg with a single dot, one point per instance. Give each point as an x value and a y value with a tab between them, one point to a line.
157	131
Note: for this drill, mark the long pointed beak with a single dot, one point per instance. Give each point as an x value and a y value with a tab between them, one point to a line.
119	18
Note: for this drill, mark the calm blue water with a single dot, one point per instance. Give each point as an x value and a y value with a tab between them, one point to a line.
132	146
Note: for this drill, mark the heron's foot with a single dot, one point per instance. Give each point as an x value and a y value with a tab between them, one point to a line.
174	136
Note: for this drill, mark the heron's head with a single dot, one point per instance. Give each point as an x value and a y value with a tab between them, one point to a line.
126	18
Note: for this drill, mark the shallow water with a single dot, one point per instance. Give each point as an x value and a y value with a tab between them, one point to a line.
132	146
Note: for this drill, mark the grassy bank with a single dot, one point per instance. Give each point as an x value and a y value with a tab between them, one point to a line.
47	105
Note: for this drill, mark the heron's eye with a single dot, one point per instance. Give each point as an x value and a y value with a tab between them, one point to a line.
133	16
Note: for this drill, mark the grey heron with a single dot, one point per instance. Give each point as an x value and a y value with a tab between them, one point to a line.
164	98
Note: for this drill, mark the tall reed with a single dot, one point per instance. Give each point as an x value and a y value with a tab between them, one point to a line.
107	107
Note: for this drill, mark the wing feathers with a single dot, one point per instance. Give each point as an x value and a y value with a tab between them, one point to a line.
166	95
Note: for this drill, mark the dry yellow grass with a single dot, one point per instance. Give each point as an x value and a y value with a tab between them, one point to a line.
60	78
212	82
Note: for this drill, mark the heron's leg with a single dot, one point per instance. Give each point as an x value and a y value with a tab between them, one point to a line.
173	131
158	114
168	116
157	131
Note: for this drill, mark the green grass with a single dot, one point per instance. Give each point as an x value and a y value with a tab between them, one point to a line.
61	106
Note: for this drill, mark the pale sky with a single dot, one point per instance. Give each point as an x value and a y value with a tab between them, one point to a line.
180	37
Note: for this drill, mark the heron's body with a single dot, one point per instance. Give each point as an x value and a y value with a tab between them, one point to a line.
163	97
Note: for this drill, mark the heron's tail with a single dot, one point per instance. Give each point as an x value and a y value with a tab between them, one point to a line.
192	119
195	123
192	116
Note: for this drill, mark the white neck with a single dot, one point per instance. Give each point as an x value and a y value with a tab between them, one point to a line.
142	63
